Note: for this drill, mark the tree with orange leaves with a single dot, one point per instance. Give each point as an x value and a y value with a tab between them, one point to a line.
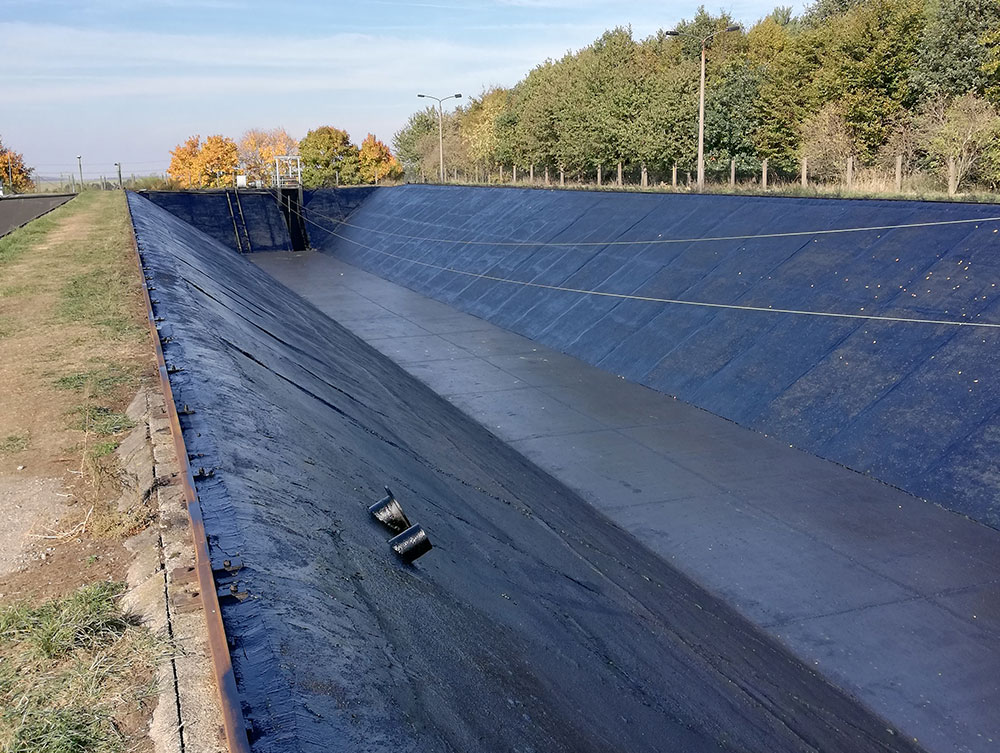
211	164
258	148
14	176
218	160
377	161
184	170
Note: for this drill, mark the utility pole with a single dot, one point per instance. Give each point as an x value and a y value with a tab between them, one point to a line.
701	97
440	101
701	123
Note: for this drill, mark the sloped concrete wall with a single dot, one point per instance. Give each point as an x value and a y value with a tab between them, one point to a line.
259	226
913	403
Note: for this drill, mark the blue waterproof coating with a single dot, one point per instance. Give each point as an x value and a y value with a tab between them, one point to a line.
337	204
245	221
915	404
533	624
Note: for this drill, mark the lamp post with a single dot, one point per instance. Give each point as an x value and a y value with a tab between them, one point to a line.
79	163
440	102
701	98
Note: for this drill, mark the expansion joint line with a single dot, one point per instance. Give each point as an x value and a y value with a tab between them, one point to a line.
168	612
654	299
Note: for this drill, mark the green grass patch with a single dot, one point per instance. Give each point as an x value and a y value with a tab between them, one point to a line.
102	449
13	443
66	667
97	419
96	298
85	619
103	293
99	381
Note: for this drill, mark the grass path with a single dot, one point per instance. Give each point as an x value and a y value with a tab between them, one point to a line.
74	350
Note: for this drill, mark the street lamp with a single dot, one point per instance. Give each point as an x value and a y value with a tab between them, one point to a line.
79	162
441	124
701	98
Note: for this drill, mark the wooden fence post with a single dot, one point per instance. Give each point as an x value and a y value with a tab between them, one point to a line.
547	175
531	173
562	176
599	174
805	172
674	179
514	174
732	173
619	182
645	177
899	173
763	174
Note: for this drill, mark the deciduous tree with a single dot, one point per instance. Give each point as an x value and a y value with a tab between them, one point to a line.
479	128
14	175
827	143
953	47
377	162
258	148
217	161
866	59
407	142
184	169
991	64
329	158
964	129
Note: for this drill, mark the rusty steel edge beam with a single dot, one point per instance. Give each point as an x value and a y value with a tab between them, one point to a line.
233	723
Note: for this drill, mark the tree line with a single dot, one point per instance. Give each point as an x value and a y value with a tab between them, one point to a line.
849	84
328	156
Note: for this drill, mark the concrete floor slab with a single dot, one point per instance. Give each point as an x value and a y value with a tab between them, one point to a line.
492	342
385	326
619	404
935	675
544	368
419	348
613	471
462	375
523	413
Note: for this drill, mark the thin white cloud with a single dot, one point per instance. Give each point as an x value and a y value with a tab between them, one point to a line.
35	48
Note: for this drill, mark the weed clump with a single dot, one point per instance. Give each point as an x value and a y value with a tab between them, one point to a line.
14	443
67	668
97	419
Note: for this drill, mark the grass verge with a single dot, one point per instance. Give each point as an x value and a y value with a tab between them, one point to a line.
72	670
74	350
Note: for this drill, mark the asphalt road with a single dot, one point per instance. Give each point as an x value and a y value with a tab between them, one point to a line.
16	211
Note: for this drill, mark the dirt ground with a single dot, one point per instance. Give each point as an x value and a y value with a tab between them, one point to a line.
74	350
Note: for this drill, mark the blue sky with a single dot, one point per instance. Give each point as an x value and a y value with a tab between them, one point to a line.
126	80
